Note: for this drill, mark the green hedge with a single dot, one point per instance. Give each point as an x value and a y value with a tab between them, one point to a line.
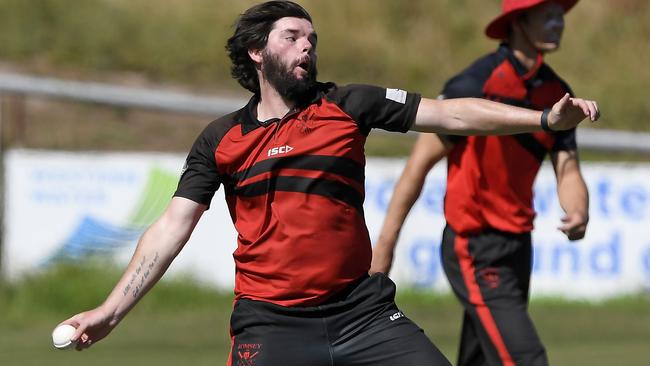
414	45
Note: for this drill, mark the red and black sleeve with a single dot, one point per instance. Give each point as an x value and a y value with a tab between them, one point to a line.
200	178
377	107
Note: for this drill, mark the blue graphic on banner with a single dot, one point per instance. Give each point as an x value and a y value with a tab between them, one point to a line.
93	237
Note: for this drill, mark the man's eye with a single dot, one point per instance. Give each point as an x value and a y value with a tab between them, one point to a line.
292	39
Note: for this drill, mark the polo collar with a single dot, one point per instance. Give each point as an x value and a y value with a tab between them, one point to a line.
521	70
248	114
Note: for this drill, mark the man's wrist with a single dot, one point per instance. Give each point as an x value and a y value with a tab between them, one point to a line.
544	120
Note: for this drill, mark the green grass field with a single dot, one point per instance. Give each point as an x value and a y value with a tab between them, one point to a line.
179	322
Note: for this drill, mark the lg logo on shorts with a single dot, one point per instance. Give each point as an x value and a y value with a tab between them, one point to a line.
279	150
396	316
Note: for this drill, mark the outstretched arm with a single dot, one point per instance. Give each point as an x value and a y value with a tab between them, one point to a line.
157	248
428	150
572	193
474	116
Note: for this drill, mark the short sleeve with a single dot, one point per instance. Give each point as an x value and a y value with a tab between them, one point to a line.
464	85
200	178
377	107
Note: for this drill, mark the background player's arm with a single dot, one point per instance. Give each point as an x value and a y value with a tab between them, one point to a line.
572	192
155	251
427	151
474	116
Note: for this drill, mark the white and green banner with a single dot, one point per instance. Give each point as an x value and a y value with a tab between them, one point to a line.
75	206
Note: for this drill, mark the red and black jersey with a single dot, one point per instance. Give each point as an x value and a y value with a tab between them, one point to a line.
295	189
490	178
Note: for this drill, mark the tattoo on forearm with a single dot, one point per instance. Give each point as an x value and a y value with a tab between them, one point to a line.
143	271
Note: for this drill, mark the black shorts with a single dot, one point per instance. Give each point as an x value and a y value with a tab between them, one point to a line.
490	274
362	327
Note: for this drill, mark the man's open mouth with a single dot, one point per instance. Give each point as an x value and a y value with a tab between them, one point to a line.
304	64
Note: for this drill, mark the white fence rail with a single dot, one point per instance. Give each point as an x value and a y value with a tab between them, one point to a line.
592	139
117	95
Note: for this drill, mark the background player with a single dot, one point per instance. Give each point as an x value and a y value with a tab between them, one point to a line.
486	247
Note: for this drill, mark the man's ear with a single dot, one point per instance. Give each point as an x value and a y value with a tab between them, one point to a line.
256	56
516	26
519	21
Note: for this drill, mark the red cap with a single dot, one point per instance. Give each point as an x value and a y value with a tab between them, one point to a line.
510	9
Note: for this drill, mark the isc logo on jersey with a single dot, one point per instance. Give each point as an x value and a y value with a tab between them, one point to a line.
279	150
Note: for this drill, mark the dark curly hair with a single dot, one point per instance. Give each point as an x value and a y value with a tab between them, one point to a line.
252	32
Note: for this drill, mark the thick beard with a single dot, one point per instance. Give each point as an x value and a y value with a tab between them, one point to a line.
283	80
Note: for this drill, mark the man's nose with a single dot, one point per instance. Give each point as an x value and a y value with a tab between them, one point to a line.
557	23
307	46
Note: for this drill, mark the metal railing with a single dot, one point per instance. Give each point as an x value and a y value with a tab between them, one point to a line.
117	95
15	84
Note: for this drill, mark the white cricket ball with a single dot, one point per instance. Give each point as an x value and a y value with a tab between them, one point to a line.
61	336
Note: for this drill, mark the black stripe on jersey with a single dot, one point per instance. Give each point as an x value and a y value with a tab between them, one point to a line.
330	164
528	142
322	187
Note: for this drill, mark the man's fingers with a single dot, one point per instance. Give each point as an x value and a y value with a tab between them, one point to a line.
565	228
588	107
596	112
591	108
77	322
569	223
573	227
562	103
582	104
83	342
80	335
81	329
566	112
